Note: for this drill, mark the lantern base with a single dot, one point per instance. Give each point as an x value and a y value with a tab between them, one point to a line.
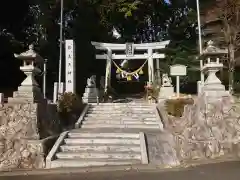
29	90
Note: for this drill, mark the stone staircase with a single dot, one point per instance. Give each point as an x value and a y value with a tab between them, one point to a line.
83	148
108	134
122	115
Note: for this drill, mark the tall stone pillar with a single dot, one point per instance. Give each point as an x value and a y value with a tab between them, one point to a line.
108	70
158	72
150	66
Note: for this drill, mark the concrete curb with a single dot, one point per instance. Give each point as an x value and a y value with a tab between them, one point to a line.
162	114
144	154
80	119
54	149
159	119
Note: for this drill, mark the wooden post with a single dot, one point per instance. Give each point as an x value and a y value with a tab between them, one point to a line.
44	77
202	74
178	86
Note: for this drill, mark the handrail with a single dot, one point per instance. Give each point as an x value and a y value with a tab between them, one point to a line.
55	148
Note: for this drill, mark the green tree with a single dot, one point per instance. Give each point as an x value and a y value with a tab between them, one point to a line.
38	22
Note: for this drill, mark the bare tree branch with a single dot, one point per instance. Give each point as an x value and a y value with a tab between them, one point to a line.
229	12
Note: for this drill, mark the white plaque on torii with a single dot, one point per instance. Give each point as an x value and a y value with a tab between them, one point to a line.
129	49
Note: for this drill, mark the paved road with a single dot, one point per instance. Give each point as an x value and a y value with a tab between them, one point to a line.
220	171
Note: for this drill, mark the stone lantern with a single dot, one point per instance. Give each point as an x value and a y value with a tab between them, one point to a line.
213	85
29	89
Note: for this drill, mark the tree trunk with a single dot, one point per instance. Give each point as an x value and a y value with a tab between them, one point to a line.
231	68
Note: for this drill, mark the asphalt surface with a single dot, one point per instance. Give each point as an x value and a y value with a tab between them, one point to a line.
220	171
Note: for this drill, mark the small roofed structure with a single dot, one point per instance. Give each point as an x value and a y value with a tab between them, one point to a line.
212	50
30	57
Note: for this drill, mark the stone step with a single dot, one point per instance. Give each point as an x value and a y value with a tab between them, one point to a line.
120	108
121	118
113	121
100	148
89	100
91	95
108	130
101	141
127	111
90	92
122	111
133	126
124	104
99	135
99	155
91	162
116	105
124	107
114	115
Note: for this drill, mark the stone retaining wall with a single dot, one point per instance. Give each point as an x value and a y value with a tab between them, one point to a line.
208	129
25	131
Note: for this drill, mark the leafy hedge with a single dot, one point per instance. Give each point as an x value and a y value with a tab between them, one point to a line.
175	107
69	108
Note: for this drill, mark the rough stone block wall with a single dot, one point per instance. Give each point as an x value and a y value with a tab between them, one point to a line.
160	147
24	134
209	129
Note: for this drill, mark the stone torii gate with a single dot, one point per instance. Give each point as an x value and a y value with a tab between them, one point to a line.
107	53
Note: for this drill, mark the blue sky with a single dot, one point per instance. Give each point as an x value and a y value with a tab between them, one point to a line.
167	1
